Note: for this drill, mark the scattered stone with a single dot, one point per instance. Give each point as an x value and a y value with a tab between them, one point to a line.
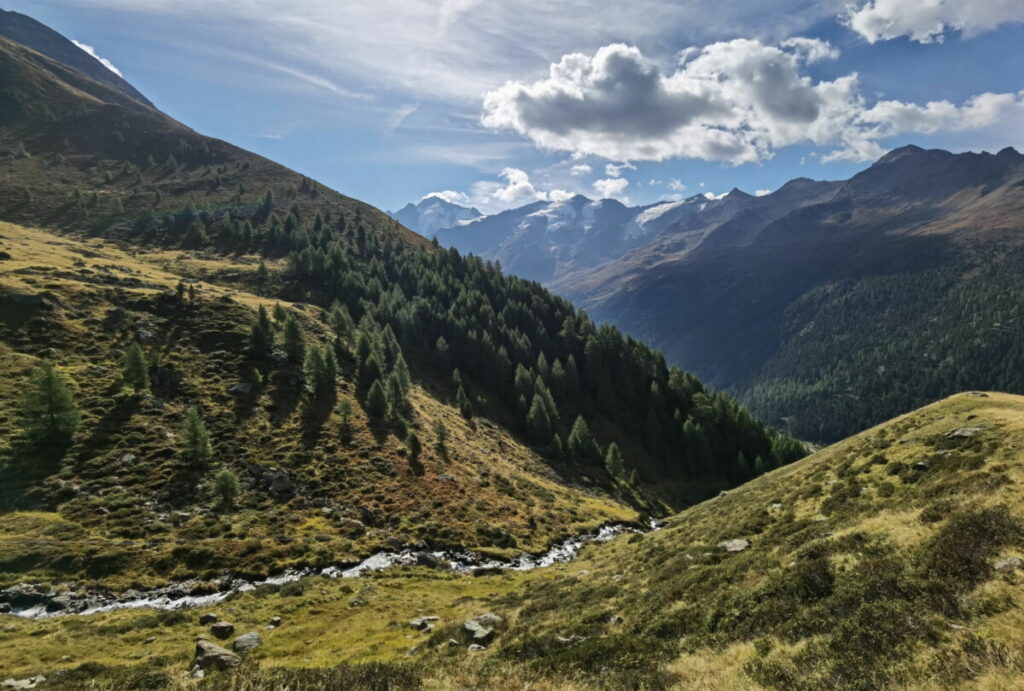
615	619
29	683
481	629
356	602
222	629
240	388
5	608
921	466
208	618
247	642
452	643
197	672
569	640
476	648
1008	564
127	458
736	545
976	394
145	336
275	622
963	433
212	655
150	640
423	623
722	493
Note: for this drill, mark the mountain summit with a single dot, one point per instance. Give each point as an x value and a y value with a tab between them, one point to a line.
42	39
432	214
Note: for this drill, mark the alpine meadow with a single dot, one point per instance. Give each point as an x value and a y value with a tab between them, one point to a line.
569	419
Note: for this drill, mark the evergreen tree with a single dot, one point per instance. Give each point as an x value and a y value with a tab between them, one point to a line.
581	444
413	445
280	315
376	405
262	274
261	335
294	340
136	369
613	461
440	434
180	291
345	412
759	466
538	423
227	487
321	368
465	405
49	416
341	321
196	448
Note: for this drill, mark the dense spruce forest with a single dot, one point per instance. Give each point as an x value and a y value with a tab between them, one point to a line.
934	331
512	350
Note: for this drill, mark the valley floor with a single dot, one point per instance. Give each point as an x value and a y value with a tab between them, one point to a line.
888	560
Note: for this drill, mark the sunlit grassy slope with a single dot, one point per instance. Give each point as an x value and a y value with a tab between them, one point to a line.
118	508
870	564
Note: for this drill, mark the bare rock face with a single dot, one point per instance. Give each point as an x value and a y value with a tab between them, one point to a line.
210	655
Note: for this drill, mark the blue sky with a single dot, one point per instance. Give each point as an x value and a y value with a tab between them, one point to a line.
499	103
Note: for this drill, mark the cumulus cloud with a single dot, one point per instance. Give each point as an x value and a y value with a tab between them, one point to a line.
926	21
581	169
611	188
676	185
103	61
736	101
515	190
450	196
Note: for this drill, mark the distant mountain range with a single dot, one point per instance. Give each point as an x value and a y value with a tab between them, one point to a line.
432	214
827	306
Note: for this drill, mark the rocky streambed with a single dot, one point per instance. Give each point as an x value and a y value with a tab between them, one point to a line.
40	601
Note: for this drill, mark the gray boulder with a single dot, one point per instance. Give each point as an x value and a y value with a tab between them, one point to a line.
29	683
275	622
208	618
736	545
423	623
247	642
476	648
240	388
963	433
210	655
481	629
222	629
1008	564
5	608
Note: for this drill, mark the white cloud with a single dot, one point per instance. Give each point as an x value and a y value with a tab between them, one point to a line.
516	190
450	196
103	61
762	193
614	171
450	50
926	21
581	169
737	101
398	116
611	188
676	185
